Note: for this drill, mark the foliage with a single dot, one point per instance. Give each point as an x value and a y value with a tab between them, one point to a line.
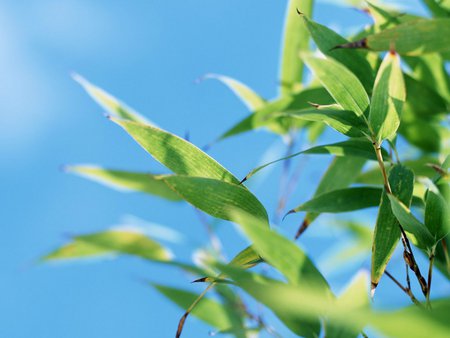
384	87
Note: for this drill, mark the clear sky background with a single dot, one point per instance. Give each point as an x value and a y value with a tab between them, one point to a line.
147	53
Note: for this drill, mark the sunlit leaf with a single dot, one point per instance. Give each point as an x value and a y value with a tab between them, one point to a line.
109	243
125	180
216	197
340	82
387	99
387	230
180	156
112	105
295	40
252	100
437	215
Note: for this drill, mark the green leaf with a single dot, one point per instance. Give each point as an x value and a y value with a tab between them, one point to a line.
110	103
208	310
437	215
340	82
415	37
179	155
278	251
252	100
421	234
125	181
216	197
342	200
387	99
438	8
422	133
295	40
353	148
343	121
326	39
111	242
387	230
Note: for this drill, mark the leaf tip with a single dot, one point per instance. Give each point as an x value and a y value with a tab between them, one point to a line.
305	224
200	280
292	211
373	287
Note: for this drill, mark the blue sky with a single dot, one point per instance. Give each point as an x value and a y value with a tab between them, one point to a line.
147	53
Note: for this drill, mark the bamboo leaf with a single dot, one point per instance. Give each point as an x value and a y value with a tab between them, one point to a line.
416	37
216	197
340	82
438	8
437	215
387	230
112	105
111	242
295	40
252	100
342	200
125	180
343	121
387	99
179	155
423	237
354	148
278	251
208	310
326	39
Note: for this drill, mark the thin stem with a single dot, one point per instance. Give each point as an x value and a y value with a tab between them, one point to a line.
364	334
405	290
430	276
408	254
447	258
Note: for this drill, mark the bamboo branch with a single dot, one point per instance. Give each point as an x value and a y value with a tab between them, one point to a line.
404	289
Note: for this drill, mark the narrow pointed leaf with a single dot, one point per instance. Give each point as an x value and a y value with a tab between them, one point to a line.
252	100
438	8
387	99
125	180
437	215
208	310
295	40
353	148
216	197
180	156
112	105
387	230
411	224
342	200
109	243
343	121
326	39
415	37
340	82
281	253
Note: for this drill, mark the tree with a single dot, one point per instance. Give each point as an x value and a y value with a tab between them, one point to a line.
387	87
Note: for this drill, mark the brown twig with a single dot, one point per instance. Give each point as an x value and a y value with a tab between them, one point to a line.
404	289
430	276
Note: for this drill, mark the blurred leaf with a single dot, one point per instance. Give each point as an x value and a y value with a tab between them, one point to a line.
252	100
342	200
208	310
340	82
216	197
353	148
387	99
111	242
179	155
295	40
415	37
422	133
110	103
437	215
326	39
125	181
343	121
278	251
424	238
387	230
439	8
